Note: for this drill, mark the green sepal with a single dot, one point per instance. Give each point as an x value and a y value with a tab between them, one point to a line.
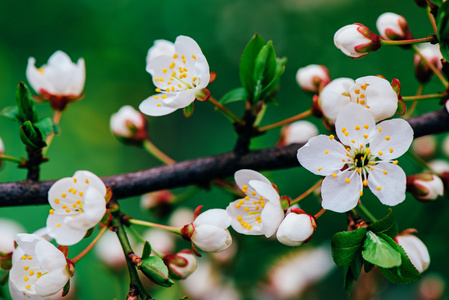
25	104
66	288
402	108
45	126
188	110
12	113
146	250
442	21
247	64
89	232
379	252
234	95
154	269
31	136
385	225
406	272
346	246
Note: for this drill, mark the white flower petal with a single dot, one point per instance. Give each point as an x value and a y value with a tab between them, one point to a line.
335	96
322	155
49	256
338	195
87	179
211	238
242	177
416	251
272	216
94	209
160	47
353	125
156	107
266	190
216	217
388	186
36	79
51	283
238	215
392	138
62	233
295	229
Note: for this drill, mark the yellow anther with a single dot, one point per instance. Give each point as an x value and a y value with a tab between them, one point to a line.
185	69
343	129
347	180
164	96
362	101
173	74
246	198
63	195
367	151
352	141
379	188
26	267
380	152
172	88
245	187
239	218
158	105
319	169
31	273
238	205
326	152
395	162
180	70
387	138
361	146
58	225
52	211
380	129
172	65
74	192
347	154
348	149
75	180
194	57
372	163
361	193
343	160
247	209
167	90
179	85
41	70
257	207
28	286
30	257
334	175
64	206
74	205
358	170
183	57
357	127
70	190
331	137
371	168
346	133
261	198
23	257
385	172
368	107
253	193
357	91
158	90
67	210
365	136
161	79
81	194
362	96
365	126
156	79
57	201
87	181
25	278
156	97
249	227
364	86
175	56
194	79
391	150
365	182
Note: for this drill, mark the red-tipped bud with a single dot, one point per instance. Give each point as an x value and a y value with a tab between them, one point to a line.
433	55
393	27
181	264
285	202
425	186
356	40
313	78
129	125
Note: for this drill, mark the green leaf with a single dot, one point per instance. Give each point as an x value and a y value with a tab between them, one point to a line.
379	252
154	269
385	225
188	110
45	126
25	104
352	273
31	136
234	95
406	272
247	63
12	113
346	245
264	69
271	87
146	250
442	21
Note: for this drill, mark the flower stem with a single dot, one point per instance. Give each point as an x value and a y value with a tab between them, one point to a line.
142	241
91	245
12	158
49	140
432	20
366	212
302	115
230	115
155	225
153	150
318	214
434	69
260	115
306	193
415	103
431	38
425	97
134	277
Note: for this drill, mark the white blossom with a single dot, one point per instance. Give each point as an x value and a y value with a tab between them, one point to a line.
356	40
392	26
128	123
297	132
296	229
363	157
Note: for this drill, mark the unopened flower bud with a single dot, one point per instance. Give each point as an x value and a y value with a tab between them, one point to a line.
129	125
297	228
297	132
415	249
425	186
158	202
432	287
393	27
425	146
313	78
356	40
433	55
181	264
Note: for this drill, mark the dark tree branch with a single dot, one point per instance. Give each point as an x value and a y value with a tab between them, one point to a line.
196	171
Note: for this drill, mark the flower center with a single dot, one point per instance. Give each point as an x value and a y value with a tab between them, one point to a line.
358	95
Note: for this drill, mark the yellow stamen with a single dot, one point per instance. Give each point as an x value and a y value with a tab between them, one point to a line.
347	180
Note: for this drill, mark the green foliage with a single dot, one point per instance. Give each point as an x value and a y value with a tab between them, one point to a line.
346	246
234	95
146	250
385	225
442	21
379	252
31	136
154	269
25	103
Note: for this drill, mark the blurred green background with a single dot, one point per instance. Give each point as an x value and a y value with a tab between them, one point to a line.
114	36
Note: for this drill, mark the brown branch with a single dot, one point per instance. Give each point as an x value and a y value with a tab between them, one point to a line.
197	171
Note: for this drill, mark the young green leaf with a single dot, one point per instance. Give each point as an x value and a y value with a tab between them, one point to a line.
234	95
346	245
146	250
442	21
25	103
385	225
45	126
154	269
247	62
31	136
379	252
264	69
12	113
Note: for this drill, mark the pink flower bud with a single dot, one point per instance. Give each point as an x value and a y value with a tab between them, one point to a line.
424	146
392	26
181	264
297	132
433	55
297	228
415	249
158	202
312	77
425	186
356	40
129	125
